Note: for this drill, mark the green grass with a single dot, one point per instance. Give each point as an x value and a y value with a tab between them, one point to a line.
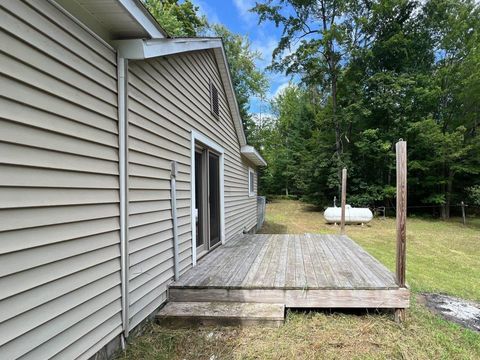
441	256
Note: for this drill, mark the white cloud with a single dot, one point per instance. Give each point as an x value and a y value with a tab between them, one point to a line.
265	47
280	89
243	7
208	11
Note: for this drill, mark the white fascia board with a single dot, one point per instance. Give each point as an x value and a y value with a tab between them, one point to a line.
252	154
162	47
138	12
130	49
139	49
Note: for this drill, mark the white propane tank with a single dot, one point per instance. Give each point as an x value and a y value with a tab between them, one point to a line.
352	215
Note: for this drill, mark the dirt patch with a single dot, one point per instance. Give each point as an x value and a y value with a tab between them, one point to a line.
463	312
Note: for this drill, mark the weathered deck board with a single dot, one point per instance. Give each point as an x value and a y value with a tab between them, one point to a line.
309	261
281	270
300	298
309	270
179	314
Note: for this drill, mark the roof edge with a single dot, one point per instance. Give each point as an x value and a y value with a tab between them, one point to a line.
252	154
139	49
143	17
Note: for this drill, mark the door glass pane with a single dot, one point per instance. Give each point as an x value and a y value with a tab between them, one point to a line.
198	198
214	197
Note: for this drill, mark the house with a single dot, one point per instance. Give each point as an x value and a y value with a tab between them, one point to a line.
105	122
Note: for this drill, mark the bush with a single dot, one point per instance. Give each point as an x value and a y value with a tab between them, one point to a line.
474	195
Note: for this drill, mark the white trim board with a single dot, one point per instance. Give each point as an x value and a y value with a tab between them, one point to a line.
198	137
251	154
251	171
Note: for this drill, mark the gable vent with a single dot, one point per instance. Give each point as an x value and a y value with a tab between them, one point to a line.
214	107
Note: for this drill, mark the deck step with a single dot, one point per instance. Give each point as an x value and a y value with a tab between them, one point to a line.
179	314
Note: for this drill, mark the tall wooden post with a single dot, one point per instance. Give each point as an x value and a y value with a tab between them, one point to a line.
401	150
344	200
463	213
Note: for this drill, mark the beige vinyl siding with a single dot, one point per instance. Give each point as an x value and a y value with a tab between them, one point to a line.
59	189
168	97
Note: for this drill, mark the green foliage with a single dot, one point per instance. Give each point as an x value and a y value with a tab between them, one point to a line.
474	194
403	70
177	19
319	41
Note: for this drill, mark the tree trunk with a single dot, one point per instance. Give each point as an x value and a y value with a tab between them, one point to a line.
443	209
448	195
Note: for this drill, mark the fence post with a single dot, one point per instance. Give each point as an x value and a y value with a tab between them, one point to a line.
401	154
344	200
463	213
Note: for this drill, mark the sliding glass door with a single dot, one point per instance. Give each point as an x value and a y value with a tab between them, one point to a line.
199	202
207	199
214	197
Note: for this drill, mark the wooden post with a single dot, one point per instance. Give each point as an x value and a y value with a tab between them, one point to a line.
344	200
463	213
401	150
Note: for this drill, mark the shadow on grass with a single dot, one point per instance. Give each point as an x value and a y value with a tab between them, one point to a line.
342	311
313	208
272	228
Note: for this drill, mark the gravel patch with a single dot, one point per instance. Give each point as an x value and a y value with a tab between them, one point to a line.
463	312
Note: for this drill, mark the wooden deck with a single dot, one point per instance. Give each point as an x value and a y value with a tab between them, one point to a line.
309	270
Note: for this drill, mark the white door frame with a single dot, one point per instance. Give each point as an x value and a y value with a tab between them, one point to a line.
198	137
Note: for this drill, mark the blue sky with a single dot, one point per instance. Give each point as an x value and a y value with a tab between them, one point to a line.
264	38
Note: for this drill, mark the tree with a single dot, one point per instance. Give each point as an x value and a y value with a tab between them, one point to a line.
286	150
318	39
455	30
403	70
177	19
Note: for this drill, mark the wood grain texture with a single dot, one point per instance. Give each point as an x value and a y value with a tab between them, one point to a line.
240	311
309	270
401	152
297	298
282	261
344	200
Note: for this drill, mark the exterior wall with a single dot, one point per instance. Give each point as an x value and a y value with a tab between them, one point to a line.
60	291
60	266
168	97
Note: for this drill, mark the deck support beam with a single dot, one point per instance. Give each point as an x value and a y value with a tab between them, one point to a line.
298	298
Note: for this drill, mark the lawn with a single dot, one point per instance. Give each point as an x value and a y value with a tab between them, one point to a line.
441	257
